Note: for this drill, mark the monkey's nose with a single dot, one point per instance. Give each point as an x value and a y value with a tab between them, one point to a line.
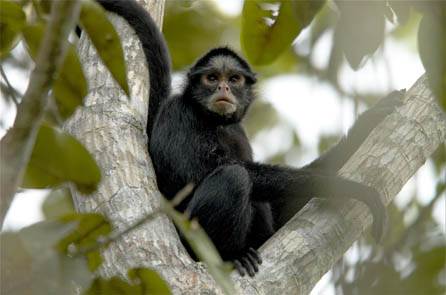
220	87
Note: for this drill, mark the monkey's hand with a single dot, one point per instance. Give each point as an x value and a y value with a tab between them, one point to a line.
249	261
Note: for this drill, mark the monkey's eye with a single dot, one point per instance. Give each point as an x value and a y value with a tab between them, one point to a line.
234	79
212	78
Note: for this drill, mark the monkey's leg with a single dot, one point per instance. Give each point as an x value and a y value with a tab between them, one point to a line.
223	208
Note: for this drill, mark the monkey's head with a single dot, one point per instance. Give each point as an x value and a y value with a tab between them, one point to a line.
220	84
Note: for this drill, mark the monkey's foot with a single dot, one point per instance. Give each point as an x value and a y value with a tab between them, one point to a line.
249	261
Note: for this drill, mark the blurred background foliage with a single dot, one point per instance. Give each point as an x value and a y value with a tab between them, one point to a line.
412	258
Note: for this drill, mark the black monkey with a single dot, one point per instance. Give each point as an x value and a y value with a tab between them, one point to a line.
196	137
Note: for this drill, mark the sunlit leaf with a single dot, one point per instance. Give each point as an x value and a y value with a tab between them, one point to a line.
360	30
58	203
58	157
31	265
150	281
12	19
113	285
45	6
104	37
33	35
70	86
432	47
90	227
262	41
306	10
144	282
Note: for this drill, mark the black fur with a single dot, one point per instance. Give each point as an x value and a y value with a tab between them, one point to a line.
239	202
155	50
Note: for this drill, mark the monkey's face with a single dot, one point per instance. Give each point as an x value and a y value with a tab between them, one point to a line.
224	88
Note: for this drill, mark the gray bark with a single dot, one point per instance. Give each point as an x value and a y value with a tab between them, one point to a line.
112	127
113	130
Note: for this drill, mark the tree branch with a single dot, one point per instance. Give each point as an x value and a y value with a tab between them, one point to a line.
17	145
308	246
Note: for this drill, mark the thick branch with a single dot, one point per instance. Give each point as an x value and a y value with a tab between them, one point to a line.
309	245
17	145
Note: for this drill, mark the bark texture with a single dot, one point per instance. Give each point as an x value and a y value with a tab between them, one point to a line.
112	129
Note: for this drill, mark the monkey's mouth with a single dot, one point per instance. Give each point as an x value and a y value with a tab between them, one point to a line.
225	100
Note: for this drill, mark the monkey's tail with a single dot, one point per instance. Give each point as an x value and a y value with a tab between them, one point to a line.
155	50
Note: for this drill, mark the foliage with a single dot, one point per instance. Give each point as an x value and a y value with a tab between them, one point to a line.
32	265
144	281
49	256
70	86
269	27
59	157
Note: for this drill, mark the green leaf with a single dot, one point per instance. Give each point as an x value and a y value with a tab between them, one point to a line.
306	10
90	227
145	282
150	281
202	246
31	265
58	203
360	29
263	42
44	6
33	35
70	86
114	285
104	37
58	157
432	47
12	20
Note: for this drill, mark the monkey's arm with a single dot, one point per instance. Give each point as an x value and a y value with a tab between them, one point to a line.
337	156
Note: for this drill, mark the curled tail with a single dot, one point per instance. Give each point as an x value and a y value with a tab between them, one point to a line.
155	50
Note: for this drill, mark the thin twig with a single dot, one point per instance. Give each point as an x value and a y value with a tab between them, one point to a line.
116	235
12	91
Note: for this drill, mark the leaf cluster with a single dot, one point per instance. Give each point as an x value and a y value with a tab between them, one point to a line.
270	27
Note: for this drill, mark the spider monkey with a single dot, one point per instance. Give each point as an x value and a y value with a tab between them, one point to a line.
197	137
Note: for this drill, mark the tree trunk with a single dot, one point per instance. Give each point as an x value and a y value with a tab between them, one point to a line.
112	127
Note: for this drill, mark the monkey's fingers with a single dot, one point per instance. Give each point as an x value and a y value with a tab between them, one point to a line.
238	266
249	266
255	254
253	262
